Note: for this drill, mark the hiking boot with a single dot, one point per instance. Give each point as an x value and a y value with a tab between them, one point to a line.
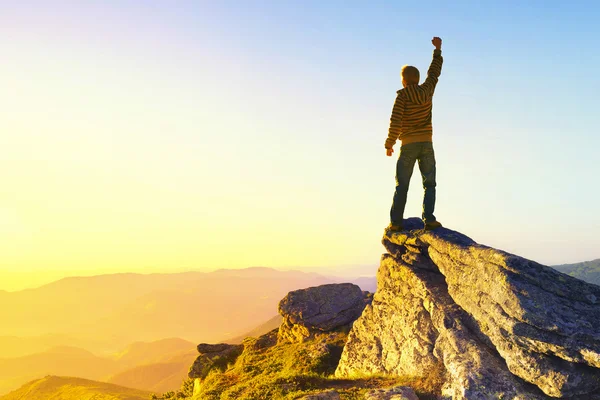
395	227
432	225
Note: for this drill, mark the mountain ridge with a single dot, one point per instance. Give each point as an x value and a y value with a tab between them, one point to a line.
588	271
121	305
72	388
193	273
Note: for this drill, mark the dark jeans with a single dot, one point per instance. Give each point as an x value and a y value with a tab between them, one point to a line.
409	154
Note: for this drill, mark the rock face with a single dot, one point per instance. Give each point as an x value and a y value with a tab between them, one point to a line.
213	356
500	326
324	308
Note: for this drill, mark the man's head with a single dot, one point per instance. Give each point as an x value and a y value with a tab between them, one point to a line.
410	75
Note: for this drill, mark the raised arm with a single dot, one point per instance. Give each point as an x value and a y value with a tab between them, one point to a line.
435	69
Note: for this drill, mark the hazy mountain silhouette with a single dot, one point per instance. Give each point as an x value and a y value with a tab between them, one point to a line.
147	353
70	361
13	346
366	283
118	309
67	388
588	271
158	366
259	330
163	375
121	313
169	371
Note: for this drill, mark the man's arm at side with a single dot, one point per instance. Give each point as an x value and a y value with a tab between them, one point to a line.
435	69
395	121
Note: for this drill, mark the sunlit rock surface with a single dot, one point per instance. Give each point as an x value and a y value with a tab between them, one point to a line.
499	325
320	309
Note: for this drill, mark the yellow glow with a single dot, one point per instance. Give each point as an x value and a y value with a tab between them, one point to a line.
107	173
130	155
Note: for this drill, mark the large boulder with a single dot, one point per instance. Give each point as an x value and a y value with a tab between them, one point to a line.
500	326
319	309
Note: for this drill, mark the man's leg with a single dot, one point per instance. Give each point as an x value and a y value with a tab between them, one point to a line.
404	170
427	167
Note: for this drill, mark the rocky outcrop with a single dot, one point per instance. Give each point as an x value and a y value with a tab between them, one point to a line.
213	356
289	360
500	326
324	308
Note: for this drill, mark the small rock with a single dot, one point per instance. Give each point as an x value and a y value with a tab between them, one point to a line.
328	395
397	393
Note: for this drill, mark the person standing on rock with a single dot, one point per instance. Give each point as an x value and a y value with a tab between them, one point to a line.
411	123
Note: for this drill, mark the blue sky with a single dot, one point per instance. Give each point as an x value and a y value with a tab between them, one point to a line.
514	115
147	136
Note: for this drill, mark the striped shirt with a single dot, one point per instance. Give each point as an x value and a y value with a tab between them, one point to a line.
411	116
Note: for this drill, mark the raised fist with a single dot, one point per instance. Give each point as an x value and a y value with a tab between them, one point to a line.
437	42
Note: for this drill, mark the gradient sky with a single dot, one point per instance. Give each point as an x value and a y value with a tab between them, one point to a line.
153	136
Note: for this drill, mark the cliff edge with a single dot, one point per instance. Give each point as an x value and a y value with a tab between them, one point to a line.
501	326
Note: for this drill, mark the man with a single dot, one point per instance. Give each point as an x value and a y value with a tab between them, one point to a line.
411	123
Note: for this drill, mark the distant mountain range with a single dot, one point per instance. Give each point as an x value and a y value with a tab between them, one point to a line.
14	346
158	370
259	330
56	387
160	376
158	367
107	312
102	312
73	361
148	353
111	327
69	361
588	271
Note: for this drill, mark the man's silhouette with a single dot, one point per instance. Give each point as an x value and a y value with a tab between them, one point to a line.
411	123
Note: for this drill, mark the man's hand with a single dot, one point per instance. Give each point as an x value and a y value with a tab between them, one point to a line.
389	152
437	42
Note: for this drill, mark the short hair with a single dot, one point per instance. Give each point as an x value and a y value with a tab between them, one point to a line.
410	74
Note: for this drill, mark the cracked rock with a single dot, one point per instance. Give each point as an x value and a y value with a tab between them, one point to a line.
502	327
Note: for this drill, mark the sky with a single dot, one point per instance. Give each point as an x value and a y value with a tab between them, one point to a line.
149	136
